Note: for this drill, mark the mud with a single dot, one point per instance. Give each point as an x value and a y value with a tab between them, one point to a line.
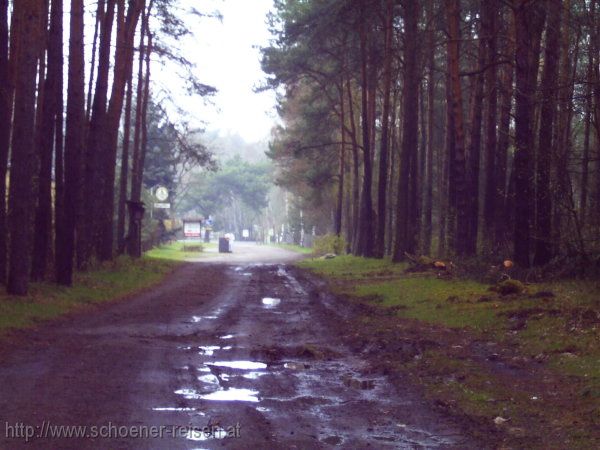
221	344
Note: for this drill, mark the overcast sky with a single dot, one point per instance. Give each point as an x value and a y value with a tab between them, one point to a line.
227	57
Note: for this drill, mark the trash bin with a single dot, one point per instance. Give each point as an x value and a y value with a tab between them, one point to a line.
224	245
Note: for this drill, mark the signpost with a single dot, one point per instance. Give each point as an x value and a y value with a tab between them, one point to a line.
161	193
192	228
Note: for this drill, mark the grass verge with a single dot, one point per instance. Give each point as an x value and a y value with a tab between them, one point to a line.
175	251
294	248
532	358
111	281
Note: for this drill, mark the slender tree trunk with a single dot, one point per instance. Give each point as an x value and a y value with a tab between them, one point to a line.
46	141
124	178
100	14
23	156
406	220
73	143
96	146
365	226
428	203
459	162
142	133
123	60
355	171
543	222
489	30
342	163
470	246
6	96
385	127
502	211
528	28
583	199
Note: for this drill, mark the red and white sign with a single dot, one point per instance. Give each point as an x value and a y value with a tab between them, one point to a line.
192	229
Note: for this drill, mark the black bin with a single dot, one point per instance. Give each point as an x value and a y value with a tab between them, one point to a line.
224	245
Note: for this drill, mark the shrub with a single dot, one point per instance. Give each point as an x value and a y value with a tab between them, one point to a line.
329	243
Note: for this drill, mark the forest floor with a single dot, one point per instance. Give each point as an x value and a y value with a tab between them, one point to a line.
110	281
523	369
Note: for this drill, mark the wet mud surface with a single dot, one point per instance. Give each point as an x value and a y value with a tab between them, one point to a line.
243	354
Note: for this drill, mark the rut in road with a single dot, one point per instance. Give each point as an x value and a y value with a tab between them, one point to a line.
244	351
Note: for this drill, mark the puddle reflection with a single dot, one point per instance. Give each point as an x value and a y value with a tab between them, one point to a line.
242	365
270	302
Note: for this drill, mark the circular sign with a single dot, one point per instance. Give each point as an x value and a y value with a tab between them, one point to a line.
161	193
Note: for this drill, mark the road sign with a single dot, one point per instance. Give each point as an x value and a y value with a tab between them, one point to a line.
161	193
162	205
192	228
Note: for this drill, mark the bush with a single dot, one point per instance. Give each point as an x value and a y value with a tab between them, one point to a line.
329	243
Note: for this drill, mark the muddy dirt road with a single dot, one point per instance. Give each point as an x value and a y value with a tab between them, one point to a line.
227	353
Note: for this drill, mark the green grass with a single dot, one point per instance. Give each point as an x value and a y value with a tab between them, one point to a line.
563	328
175	251
294	248
111	281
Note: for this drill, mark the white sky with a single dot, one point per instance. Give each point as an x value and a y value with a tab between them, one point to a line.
227	58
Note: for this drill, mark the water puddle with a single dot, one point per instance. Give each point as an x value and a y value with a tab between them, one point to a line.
242	365
247	274
227	336
262	409
253	375
210	379
232	395
174	409
208	350
269	302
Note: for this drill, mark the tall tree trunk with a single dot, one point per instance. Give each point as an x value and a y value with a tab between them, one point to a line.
365	225
123	60
141	132
51	106
342	163
501	159
543	208
406	220
385	127
528	28
100	14
6	96
23	156
428	179
458	163
355	170
470	246
73	144
96	145
489	15
124	177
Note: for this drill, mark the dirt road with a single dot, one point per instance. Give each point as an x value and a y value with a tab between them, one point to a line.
230	352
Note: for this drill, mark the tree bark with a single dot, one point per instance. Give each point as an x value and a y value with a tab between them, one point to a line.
406	217
379	249
124	178
428	201
458	163
23	156
6	97
528	28
96	145
488	22
365	225
123	60
73	144
543	222
51	107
